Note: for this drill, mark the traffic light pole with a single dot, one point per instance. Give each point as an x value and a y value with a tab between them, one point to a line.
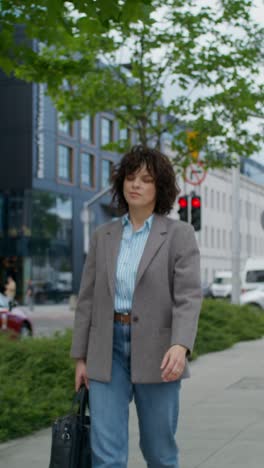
236	234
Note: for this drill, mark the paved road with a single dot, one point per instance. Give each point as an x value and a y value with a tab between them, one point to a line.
50	318
221	422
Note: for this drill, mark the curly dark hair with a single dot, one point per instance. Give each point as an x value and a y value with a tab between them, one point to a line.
160	168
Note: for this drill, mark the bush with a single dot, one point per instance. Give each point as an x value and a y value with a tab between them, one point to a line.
37	383
37	376
222	324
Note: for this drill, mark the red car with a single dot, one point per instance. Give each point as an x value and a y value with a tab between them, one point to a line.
14	319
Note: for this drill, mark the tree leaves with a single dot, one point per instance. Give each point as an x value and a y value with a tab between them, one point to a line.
121	55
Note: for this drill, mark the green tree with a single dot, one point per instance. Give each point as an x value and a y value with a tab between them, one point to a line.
63	24
209	54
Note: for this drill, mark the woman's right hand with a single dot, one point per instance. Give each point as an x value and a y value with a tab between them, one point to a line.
81	376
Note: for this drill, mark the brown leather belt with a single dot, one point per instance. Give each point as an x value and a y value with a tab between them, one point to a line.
124	318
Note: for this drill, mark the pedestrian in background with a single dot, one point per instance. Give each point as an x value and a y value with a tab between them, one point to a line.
137	314
30	295
10	288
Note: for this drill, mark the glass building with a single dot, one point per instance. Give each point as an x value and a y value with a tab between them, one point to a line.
36	243
48	169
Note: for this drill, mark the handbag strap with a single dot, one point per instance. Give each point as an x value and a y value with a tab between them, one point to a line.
81	397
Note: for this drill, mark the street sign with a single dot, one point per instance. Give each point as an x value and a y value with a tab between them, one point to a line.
195	173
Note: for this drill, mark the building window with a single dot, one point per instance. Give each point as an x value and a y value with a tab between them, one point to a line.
205	196
218	238
87	169
218	200
230	204
212	237
106	131
64	127
106	172
65	163
206	236
87	129
51	249
224	202
212	198
224	239
248	210
124	134
256	245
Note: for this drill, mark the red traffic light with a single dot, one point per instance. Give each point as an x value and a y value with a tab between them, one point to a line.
183	202
196	202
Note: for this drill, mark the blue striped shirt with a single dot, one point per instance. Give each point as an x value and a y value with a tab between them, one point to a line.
130	253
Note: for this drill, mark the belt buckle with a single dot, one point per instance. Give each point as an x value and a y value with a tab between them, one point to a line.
123	320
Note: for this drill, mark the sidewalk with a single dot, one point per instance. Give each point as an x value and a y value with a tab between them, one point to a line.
49	310
221	423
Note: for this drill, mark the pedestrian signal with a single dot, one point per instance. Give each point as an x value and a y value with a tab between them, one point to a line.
196	212
183	208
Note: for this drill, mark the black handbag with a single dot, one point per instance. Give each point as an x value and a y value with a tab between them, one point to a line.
70	446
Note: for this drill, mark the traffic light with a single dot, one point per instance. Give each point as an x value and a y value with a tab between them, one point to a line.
196	212
183	208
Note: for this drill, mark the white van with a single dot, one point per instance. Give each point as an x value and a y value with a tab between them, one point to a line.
222	284
252	274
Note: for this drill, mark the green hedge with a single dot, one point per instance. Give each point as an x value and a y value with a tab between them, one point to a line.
36	383
37	376
223	324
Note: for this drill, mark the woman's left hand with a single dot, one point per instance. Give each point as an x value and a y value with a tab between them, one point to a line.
173	363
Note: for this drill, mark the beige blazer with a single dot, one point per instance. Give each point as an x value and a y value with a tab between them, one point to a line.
166	300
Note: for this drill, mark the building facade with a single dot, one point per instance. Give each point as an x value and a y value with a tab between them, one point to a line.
48	169
215	237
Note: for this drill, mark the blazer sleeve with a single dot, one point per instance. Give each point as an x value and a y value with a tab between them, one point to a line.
83	311
187	291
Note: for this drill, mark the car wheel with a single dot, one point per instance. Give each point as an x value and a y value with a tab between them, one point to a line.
25	331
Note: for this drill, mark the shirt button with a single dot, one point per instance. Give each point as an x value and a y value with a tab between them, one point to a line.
135	319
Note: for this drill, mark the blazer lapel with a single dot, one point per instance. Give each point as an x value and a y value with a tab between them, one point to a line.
155	239
112	245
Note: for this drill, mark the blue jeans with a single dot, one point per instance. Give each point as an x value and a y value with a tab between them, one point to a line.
157	409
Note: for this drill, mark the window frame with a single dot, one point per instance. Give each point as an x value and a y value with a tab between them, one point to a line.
111	121
101	171
92	131
84	185
71	153
70	133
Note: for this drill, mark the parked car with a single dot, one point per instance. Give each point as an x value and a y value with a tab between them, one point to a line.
254	297
252	276
222	284
14	319
49	292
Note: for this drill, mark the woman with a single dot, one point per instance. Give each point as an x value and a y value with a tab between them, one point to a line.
137	315
10	288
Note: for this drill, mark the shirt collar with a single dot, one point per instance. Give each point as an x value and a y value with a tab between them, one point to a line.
148	221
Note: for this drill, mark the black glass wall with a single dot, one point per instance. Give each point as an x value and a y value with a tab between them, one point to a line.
15	234
36	243
51	246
